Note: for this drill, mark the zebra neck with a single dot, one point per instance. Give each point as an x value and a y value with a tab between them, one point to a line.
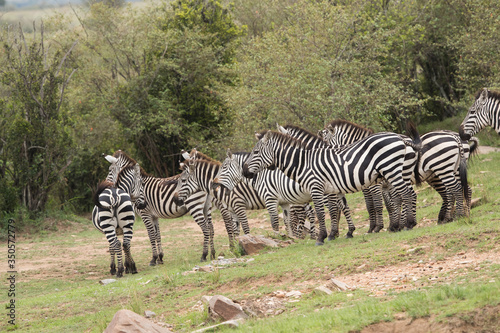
205	175
292	161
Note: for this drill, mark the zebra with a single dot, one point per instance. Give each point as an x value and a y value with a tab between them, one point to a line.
114	213
199	175
485	111
372	194
158	194
326	170
274	187
442	163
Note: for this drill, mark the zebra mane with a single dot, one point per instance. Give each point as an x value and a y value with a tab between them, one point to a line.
209	162
170	180
303	130
491	93
202	156
130	161
286	139
100	187
342	122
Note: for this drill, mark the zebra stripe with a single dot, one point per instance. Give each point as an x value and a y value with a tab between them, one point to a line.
325	170
485	111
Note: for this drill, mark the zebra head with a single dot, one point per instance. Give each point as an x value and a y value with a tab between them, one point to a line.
483	112
262	156
118	161
186	184
326	136
129	179
230	173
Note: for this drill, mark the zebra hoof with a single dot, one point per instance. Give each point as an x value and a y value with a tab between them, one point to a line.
318	243
348	236
152	263
331	238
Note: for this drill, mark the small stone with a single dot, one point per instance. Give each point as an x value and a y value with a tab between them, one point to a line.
350	295
395	279
336	284
206	299
465	262
323	290
226	308
361	267
107	281
206	269
149	314
294	294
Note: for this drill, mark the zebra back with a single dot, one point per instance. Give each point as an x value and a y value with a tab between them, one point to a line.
312	141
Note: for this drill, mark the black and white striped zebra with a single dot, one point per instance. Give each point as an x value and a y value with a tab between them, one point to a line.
327	170
485	111
199	174
114	214
158	193
274	187
443	162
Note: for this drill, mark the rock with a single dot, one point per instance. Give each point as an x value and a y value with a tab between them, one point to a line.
149	314
252	244
475	202
226	308
230	323
294	294
107	281
323	290
336	284
206	269
206	299
131	322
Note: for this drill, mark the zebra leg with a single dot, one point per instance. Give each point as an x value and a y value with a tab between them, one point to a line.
115	247
150	227
312	220
378	207
393	200
347	214
159	259
296	213
272	208
445	211
211	233
228	222
129	261
318	199
286	219
242	218
370	208
411	211
334	207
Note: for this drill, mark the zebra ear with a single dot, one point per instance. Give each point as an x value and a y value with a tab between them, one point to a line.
229	154
110	159
258	136
185	154
192	164
484	93
193	154
137	168
331	129
281	129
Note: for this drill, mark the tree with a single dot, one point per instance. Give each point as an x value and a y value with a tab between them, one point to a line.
36	134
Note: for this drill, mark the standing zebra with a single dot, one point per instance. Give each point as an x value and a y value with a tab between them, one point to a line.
158	194
274	187
485	111
442	163
114	213
325	170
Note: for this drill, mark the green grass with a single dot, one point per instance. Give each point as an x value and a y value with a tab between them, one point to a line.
68	298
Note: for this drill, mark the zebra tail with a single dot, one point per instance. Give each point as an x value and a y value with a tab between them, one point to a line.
100	187
462	169
417	146
474	145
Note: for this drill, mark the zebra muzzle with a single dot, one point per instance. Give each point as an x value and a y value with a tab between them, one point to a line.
464	136
246	172
178	201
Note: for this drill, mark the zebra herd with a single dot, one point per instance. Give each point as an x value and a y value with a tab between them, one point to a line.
291	168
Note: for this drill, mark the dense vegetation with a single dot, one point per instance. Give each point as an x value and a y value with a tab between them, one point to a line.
155	79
